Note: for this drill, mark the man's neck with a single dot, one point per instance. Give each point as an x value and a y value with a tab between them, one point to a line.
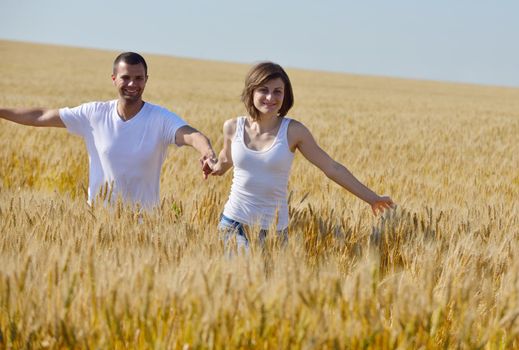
127	110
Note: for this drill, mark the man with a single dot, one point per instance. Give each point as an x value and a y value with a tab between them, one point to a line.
126	139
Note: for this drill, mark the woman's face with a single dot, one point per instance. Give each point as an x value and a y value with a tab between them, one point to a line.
268	97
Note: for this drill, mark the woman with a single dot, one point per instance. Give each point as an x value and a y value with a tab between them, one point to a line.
261	148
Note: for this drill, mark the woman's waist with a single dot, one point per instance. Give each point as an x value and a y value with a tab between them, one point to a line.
257	214
264	194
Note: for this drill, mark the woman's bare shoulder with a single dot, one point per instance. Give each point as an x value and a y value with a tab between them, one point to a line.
296	128
229	126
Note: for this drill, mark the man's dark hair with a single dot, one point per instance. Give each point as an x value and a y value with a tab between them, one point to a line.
130	58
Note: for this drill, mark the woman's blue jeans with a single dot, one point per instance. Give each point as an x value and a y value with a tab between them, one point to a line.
230	228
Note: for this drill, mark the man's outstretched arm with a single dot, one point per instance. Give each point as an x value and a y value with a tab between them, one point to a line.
33	116
188	135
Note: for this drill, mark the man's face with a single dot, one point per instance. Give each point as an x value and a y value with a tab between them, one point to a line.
130	80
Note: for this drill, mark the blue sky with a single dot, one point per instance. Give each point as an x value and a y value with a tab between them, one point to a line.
463	41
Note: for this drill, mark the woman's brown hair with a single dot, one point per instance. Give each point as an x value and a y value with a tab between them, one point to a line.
259	75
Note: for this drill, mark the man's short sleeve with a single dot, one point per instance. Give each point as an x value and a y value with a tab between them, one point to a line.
172	123
76	119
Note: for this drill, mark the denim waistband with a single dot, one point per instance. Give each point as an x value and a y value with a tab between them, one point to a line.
229	221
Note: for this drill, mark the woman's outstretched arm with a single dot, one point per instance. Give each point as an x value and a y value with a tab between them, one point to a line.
300	138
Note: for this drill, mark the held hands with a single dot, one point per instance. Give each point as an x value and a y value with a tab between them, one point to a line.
214	167
208	164
382	203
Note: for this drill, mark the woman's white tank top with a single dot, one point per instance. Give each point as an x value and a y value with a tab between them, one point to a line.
259	185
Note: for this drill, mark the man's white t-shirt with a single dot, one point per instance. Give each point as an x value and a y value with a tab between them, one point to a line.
126	156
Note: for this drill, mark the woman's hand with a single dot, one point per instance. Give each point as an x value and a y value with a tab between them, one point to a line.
208	166
382	203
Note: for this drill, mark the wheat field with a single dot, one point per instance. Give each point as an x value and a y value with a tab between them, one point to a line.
440	271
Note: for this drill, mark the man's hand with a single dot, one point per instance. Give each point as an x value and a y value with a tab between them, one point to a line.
208	163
